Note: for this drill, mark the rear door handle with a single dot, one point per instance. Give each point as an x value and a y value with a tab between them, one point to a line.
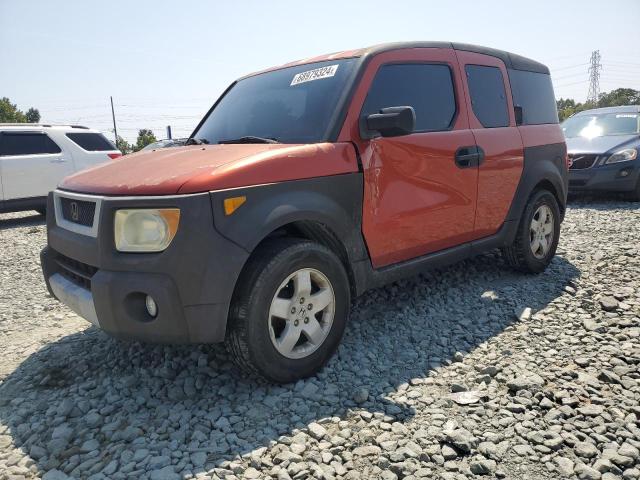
467	157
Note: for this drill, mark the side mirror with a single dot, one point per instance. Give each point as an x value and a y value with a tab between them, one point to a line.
392	121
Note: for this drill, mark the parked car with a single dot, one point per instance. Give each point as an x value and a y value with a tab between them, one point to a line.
603	146
35	158
306	185
166	143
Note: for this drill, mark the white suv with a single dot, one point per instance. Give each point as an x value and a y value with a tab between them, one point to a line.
35	158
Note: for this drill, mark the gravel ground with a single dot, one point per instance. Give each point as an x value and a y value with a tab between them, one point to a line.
468	371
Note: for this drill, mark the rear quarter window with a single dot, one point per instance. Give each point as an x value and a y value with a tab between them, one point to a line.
534	93
92	142
26	143
488	97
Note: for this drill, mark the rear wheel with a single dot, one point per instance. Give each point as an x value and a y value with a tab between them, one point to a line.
289	310
537	236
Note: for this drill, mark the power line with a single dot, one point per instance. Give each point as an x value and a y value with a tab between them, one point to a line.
569	67
572	83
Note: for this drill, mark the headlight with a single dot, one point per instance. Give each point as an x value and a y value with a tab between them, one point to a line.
145	230
622	156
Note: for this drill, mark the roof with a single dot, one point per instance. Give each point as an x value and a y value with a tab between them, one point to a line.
511	60
40	126
620	109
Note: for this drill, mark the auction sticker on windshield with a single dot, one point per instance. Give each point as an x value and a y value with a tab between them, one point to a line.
315	74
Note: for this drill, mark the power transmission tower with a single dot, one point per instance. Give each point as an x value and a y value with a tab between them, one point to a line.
594	77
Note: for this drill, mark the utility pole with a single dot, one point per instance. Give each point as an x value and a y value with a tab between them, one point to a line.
169	132
113	115
594	77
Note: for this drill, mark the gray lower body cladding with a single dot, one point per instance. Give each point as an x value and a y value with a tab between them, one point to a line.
192	281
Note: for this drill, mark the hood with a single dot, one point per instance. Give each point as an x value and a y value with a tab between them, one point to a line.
600	144
201	168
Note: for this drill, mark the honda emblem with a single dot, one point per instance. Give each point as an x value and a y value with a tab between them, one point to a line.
75	215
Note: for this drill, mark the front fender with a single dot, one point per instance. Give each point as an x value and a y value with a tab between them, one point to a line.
334	201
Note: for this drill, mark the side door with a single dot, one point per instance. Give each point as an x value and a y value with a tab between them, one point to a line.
492	121
417	198
32	164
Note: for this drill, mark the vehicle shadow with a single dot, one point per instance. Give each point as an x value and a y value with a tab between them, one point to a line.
92	400
13	221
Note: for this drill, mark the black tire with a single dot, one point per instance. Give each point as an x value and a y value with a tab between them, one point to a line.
248	336
42	210
519	255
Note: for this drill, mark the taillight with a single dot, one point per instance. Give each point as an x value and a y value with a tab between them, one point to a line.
113	156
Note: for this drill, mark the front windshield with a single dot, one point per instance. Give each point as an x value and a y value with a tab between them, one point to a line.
602	124
290	105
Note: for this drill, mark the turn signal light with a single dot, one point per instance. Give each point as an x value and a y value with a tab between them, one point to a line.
233	203
113	156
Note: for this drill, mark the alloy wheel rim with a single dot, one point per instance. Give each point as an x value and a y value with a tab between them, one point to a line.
541	232
301	313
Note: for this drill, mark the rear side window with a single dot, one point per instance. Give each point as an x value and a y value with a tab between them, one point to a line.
92	142
534	93
488	97
427	88
18	143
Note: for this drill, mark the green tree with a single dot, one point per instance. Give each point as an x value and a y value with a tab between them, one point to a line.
124	146
614	98
145	137
9	112
32	115
619	96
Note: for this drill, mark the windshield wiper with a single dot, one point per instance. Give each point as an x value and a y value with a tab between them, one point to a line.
197	141
250	139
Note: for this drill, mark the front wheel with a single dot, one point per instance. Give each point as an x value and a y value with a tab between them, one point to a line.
537	236
289	310
634	195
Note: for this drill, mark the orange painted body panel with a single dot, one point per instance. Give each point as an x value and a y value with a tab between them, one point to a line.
535	135
212	167
416	199
500	172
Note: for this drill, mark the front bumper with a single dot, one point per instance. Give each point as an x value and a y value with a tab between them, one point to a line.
621	177
192	281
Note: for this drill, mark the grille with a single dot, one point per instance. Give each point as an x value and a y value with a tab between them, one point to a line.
78	211
581	162
78	272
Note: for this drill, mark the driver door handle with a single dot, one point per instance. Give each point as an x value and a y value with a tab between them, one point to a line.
467	157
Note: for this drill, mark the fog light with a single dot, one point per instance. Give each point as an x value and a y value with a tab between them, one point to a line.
624	173
152	307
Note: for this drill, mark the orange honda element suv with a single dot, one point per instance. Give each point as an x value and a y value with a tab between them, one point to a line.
306	185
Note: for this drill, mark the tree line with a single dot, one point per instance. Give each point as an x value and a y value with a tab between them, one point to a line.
614	98
9	113
145	137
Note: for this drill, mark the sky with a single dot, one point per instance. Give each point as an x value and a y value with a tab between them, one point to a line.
166	62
